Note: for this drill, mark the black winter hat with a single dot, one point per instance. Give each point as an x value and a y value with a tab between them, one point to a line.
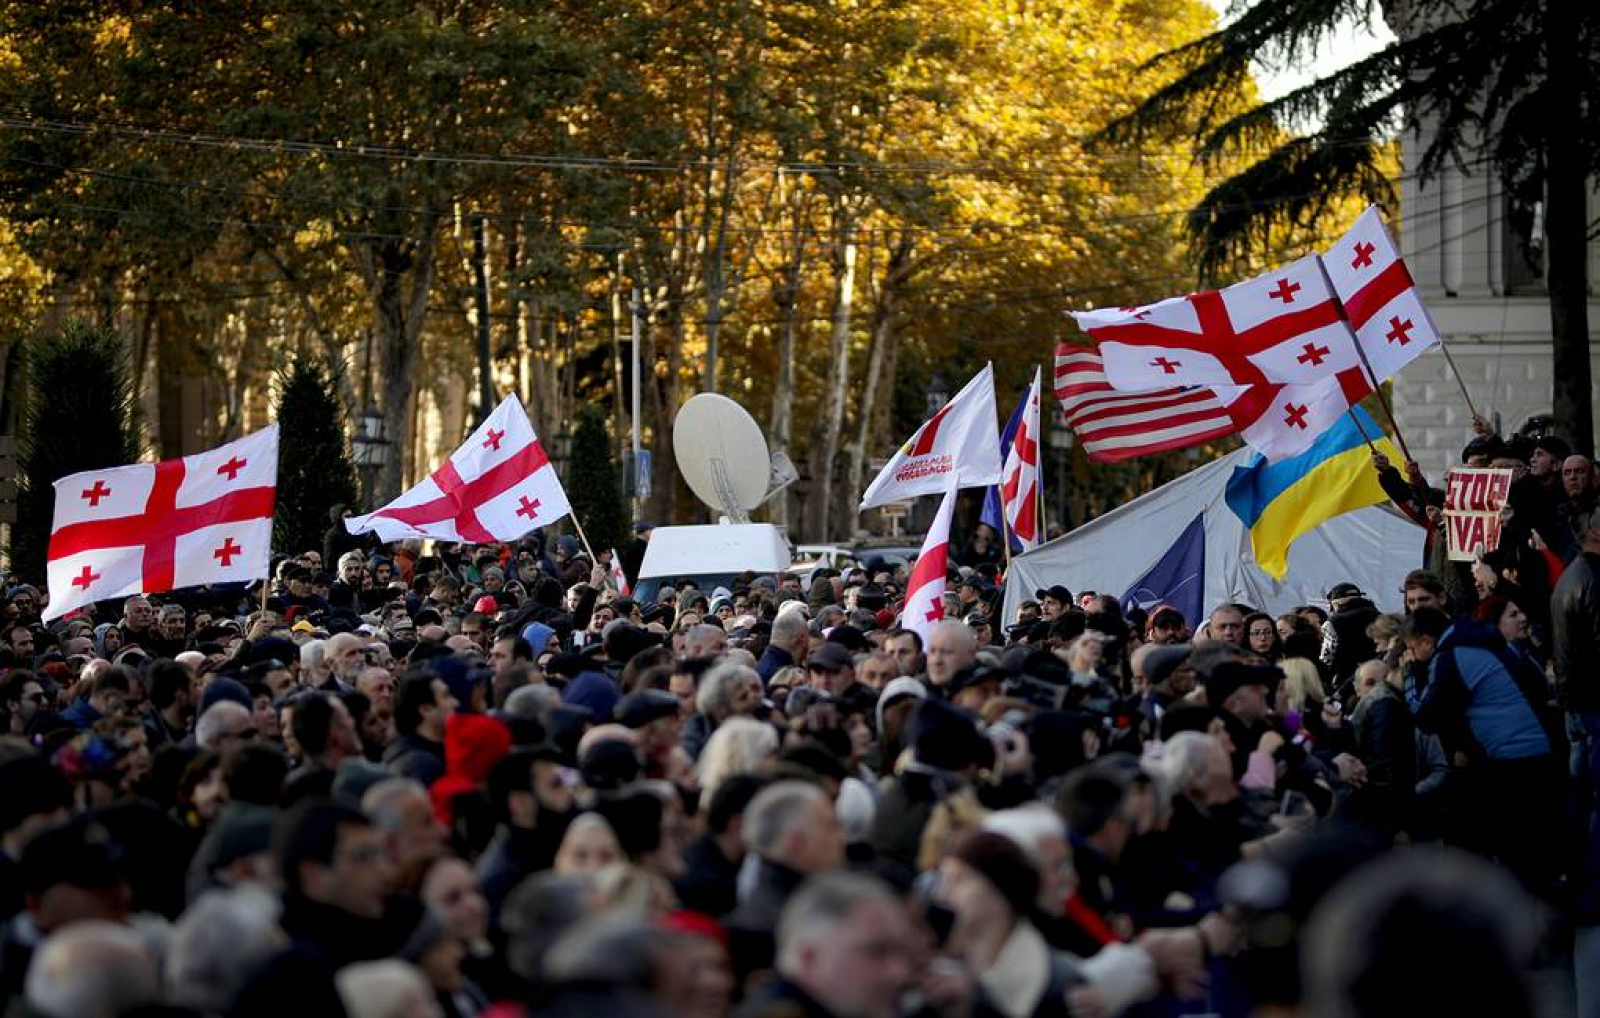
944	736
1230	676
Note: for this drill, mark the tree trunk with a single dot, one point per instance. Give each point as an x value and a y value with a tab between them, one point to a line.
397	319
830	413
879	384
480	271
1566	223
786	296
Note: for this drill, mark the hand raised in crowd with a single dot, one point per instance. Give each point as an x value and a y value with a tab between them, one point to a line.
1180	959
949	988
1351	770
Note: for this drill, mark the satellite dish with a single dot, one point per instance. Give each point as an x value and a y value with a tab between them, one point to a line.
722	455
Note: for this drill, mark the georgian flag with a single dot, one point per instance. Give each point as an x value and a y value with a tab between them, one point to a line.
1284	420
1019	485
153	527
619	579
496	487
960	443
1281	327
924	607
1380	299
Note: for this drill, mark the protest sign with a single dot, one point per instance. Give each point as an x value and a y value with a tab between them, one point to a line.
1473	498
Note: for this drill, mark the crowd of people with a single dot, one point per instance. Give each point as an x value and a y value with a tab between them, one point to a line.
460	781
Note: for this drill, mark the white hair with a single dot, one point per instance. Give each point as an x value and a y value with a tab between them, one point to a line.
820	906
738	746
1183	761
774	814
528	703
91	969
218	942
717	685
311	654
382	802
218	721
385	989
191	659
1027	827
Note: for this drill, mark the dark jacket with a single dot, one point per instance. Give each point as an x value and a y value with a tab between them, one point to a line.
779	998
81	715
1352	645
516	853
904	808
752	927
412	756
1575	634
772	661
710	880
299	980
696	733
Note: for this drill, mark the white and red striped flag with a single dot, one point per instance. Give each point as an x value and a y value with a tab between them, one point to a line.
619	579
960	442
1019	484
924	607
154	527
1380	299
496	487
1277	420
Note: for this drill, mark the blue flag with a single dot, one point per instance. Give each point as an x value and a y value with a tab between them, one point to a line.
1178	578
991	495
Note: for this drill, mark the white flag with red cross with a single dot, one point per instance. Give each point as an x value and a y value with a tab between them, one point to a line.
1380	299
1019	486
961	443
153	527
496	487
924	606
1285	326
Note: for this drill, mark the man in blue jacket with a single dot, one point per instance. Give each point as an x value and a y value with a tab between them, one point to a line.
1489	704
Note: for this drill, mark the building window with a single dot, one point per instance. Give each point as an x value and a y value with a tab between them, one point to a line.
1522	245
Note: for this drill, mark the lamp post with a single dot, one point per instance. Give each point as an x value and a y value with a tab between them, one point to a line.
1061	439
938	392
369	448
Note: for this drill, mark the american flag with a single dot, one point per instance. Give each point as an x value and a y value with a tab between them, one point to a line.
1116	425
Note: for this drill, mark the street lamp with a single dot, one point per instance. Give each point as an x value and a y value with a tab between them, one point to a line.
938	392
1061	439
369	449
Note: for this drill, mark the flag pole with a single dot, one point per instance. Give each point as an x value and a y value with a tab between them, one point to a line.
584	538
1005	530
1456	372
1366	365
1363	429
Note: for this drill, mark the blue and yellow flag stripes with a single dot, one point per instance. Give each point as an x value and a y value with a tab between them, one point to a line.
1280	501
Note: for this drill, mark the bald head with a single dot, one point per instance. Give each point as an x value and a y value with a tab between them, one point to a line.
704	640
1577	476
952	646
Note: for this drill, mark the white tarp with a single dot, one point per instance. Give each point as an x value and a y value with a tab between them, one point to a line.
714	549
1374	547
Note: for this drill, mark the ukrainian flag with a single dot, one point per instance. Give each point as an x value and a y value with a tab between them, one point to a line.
1280	501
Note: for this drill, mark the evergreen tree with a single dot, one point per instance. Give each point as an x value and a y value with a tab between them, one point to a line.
594	484
314	470
1501	84
79	416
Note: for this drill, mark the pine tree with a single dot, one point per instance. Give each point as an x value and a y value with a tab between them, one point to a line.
594	484
79	416
1499	82
314	470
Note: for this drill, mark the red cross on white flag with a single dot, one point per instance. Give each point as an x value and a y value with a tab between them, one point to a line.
153	527
1380	298
496	487
1284	326
924	606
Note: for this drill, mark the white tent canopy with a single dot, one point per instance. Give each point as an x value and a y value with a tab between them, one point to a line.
1374	547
